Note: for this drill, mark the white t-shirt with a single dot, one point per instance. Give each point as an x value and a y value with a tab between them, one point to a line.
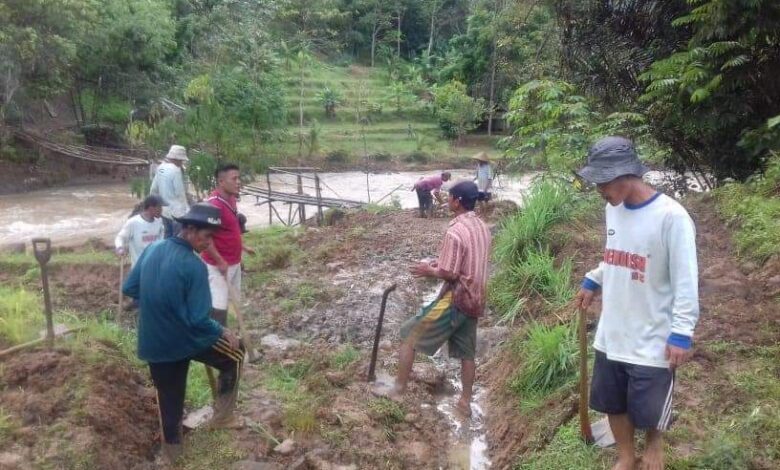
484	177
649	281
137	234
168	183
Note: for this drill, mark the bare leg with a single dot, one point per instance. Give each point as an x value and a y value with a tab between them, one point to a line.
623	430
653	458
405	361
467	373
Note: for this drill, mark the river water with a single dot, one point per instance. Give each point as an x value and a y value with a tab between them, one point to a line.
71	215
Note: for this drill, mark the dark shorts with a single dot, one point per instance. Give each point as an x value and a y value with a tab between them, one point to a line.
642	392
425	199
440	322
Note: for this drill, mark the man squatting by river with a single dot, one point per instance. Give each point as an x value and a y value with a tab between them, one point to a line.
463	266
171	285
648	279
168	183
427	188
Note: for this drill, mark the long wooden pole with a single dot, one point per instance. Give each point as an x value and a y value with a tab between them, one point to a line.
585	430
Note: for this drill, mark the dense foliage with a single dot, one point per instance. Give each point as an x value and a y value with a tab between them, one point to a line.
693	80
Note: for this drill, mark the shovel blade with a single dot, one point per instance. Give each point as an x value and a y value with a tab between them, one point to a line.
602	433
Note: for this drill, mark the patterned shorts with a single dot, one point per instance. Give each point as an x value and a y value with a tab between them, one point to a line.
440	322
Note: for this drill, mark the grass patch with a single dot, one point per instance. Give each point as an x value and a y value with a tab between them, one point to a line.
21	317
754	207
344	357
21	260
549	202
275	247
549	358
207	450
565	451
7	426
298	404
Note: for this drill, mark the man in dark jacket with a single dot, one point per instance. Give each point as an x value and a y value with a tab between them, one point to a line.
174	325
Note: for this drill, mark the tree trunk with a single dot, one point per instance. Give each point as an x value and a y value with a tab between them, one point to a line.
374	34
434	7
492	105
398	35
300	111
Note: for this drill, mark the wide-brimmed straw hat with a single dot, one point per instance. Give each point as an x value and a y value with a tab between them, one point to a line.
177	152
201	215
482	157
610	158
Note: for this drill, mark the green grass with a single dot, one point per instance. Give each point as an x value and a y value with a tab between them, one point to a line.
206	450
19	260
276	247
21	315
344	357
566	451
754	207
7	426
549	358
299	405
549	202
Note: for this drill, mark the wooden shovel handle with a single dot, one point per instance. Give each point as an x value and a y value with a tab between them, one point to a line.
582	333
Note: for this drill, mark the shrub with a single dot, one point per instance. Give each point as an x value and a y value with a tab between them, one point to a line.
418	157
549	357
381	156
337	156
549	202
20	315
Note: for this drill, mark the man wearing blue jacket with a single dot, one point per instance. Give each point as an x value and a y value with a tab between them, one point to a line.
648	278
171	285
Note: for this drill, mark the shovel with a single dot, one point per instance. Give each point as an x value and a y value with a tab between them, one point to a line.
233	298
372	366
600	433
42	251
121	281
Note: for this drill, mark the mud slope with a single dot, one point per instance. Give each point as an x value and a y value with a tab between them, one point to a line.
76	408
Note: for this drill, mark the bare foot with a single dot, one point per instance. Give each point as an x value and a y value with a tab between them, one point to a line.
394	393
464	408
625	464
652	460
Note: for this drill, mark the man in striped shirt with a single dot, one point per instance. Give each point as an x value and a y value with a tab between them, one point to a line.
463	266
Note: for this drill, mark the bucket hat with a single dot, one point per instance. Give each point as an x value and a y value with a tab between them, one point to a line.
610	158
177	152
201	215
482	157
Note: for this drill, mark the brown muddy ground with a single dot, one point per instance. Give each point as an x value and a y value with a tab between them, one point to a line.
70	410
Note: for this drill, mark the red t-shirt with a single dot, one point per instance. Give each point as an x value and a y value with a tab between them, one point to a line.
227	240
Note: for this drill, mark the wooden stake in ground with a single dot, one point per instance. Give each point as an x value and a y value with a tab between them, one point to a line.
121	281
582	333
233	299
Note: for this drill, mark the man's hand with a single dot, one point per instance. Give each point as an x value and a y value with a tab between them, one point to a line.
223	267
584	298
677	356
422	270
120	252
230	338
249	251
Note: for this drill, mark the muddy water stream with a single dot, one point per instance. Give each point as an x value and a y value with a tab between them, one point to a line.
71	215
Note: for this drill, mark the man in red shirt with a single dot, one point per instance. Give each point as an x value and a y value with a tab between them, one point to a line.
463	266
223	256
426	189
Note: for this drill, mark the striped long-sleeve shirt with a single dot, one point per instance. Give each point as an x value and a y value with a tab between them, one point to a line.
464	253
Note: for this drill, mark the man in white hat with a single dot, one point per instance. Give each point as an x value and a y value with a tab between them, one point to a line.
168	183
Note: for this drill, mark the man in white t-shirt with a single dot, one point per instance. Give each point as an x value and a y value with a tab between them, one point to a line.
168	183
648	279
141	230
